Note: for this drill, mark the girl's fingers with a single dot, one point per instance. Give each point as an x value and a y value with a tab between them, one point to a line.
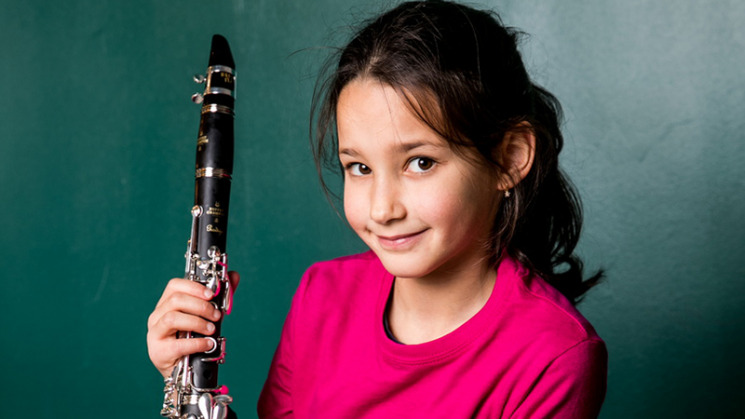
189	346
166	354
183	303
184	286
184	306
174	321
165	349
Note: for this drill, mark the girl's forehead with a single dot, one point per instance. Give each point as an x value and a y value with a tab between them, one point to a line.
420	100
369	108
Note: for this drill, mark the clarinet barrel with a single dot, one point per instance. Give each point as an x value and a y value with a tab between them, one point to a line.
193	390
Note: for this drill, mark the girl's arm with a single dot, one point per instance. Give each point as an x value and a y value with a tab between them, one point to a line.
276	396
276	400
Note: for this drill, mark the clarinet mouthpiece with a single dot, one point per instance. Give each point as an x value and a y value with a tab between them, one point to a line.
220	53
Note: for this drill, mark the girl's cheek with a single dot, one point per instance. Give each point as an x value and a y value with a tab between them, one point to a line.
353	207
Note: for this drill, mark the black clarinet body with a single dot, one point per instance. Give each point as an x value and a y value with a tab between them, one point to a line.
193	391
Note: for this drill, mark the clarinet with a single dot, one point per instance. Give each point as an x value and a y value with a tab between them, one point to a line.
192	390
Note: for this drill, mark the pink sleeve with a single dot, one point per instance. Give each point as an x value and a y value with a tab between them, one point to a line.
572	386
275	400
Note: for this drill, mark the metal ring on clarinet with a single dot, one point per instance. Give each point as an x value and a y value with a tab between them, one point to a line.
212	172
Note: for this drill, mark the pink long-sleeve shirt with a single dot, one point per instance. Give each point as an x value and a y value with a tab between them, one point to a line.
528	353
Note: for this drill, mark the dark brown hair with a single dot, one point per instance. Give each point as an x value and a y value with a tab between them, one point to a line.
461	70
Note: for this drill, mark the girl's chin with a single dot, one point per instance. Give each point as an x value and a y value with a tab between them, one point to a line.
402	266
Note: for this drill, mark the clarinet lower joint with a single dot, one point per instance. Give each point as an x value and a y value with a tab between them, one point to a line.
180	393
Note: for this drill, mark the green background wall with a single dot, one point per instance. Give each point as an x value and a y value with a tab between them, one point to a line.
97	139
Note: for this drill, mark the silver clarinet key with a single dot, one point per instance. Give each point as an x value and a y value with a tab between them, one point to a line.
205	405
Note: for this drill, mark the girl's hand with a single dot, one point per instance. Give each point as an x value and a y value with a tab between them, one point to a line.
184	306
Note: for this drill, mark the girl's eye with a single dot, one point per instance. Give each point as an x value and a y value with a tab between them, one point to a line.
421	164
358	169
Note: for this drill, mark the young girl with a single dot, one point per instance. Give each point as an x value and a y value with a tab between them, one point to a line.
464	305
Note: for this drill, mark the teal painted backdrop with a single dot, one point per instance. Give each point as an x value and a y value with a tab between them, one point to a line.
97	139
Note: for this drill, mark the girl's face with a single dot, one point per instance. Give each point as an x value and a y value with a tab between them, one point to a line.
426	211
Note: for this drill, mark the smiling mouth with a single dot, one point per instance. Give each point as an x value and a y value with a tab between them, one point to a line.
399	242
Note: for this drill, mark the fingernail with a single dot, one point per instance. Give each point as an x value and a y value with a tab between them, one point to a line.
216	314
210	327
208	293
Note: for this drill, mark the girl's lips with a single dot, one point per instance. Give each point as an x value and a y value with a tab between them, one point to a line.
401	241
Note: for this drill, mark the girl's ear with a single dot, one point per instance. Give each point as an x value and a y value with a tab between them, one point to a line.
516	154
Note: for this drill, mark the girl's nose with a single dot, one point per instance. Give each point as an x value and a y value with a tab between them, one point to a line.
385	205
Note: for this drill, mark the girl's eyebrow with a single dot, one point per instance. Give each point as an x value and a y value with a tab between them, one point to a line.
349	152
417	144
402	147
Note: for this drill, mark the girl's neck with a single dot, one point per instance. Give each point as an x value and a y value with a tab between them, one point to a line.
424	309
